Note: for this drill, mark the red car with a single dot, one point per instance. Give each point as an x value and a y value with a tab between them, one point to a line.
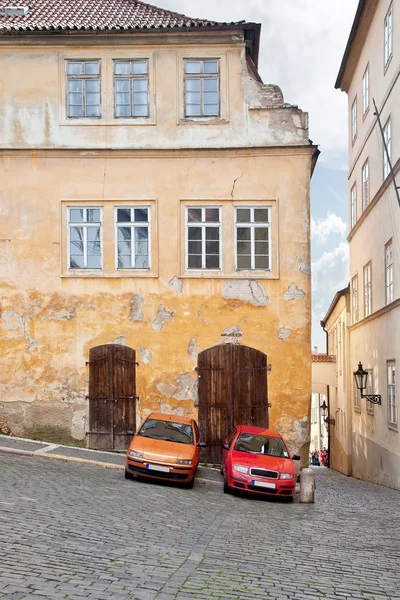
258	460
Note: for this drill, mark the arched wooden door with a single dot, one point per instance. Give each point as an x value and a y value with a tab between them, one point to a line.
232	391
112	396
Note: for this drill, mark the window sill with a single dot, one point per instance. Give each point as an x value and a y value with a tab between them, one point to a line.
256	275
202	121
101	275
393	427
386	66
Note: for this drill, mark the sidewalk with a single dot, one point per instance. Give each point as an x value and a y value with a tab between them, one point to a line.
108	460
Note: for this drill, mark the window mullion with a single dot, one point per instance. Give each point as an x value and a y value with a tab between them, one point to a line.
253	246
85	246
133	251
203	246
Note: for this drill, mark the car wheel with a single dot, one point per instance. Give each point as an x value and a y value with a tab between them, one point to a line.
128	475
227	489
189	484
289	499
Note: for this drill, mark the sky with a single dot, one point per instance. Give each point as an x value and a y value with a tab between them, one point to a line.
302	45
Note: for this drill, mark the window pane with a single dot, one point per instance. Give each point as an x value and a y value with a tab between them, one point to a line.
93	234
244	248
261	233
212	262
194	233
94	262
192	85
92	68
141	233
194	214
76	215
140	85
192	66
261	262
193	110
74	68
124	233
122	85
92	111
93	249
76	262
124	262
212	247
194	247
141	110
140	98
124	215
212	233
139	67
122	68
211	110
123	110
193	98
76	234
194	262
211	85
243	215
210	66
93	215
92	85
261	215
124	248
212	215
261	248
75	85
142	262
243	233
244	262
141	214
75	111
76	248
92	100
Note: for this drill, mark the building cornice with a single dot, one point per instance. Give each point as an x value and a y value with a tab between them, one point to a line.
376	314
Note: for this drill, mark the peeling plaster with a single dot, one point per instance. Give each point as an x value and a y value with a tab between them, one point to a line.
176	284
162	317
193	349
296	433
187	387
166	389
305	268
284	333
293	293
14	322
146	355
231	335
120	340
246	290
135	313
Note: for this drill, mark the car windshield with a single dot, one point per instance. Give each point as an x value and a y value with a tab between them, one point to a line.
168	431
261	444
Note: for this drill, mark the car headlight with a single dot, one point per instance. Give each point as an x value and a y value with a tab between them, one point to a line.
286	476
135	453
182	461
240	469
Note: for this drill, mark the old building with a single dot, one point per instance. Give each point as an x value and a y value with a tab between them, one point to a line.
369	74
155	209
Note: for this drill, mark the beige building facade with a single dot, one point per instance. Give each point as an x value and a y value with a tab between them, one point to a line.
154	195
370	71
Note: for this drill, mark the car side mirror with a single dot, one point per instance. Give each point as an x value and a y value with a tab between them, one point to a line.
130	432
225	446
296	457
202	444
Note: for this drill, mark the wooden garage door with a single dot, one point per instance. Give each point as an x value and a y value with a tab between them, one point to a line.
232	391
112	396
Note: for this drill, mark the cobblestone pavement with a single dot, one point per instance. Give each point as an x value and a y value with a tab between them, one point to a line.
69	530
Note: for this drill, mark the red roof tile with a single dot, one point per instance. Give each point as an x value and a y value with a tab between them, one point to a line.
86	15
323	358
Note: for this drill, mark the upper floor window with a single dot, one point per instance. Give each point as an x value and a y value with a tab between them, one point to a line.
84	238
131	83
389	272
388	35
203	237
354	293
391	381
356	397
367	290
252	238
354	120
202	88
353	199
387	155
365	184
369	390
133	237
365	89
83	88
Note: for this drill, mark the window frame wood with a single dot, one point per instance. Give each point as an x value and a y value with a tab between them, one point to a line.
202	76
203	224
131	77
367	287
85	225
253	226
83	77
132	225
392	407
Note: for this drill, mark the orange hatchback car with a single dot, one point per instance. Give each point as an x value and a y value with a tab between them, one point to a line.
165	447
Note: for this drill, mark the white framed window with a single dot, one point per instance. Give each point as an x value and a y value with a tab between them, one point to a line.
252	238
83	88
201	87
353	203
367	290
131	88
354	296
391	393
369	390
84	237
354	120
356	397
388	36
389	272
203	237
365	184
387	155
132	234
365	90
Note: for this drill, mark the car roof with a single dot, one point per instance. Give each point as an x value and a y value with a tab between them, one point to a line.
168	417
259	430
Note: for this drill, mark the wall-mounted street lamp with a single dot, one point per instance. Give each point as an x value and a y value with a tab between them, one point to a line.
361	378
324	413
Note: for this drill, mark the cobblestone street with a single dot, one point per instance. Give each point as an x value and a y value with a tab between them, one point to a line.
74	531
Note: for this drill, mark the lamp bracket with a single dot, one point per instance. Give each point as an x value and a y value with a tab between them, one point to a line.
330	421
374	398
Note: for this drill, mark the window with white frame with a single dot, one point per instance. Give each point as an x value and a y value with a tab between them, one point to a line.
84	238
369	392
203	237
201	88
365	184
387	154
356	397
83	88
365	89
367	290
353	202
388	36
354	295
391	381
132	237
354	120
389	272
131	86
252	241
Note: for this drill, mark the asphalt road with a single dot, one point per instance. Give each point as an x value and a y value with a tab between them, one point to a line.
69	530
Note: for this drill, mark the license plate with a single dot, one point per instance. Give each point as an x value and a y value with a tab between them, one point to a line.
263	484
157	468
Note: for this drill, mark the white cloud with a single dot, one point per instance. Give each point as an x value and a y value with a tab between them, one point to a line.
322	228
330	272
